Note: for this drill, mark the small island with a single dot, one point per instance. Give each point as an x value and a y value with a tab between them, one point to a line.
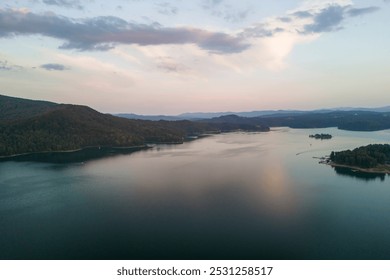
373	158
321	136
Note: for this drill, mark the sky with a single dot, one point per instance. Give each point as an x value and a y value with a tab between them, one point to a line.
170	57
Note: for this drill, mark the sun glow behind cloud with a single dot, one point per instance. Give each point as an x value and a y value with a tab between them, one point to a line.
119	65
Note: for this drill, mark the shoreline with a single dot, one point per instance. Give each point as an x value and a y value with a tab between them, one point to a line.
147	145
382	169
140	147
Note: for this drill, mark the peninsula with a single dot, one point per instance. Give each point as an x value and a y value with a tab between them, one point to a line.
374	158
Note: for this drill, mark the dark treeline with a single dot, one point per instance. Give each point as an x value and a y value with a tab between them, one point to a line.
366	157
321	136
347	120
234	122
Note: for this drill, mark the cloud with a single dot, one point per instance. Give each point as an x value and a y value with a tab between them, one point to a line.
6	66
312	20
54	67
236	16
166	9
302	14
277	36
168	64
211	3
362	11
328	19
285	19
226	12
260	31
103	33
65	3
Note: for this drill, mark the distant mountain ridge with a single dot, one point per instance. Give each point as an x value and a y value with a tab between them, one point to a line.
250	114
150	117
201	115
383	109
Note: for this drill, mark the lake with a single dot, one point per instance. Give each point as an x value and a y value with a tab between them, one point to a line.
227	196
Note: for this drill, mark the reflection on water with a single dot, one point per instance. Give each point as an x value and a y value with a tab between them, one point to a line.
229	196
343	171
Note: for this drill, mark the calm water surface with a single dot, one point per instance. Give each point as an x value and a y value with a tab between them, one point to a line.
228	196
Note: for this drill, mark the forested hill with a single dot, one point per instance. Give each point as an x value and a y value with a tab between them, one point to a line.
70	127
18	108
34	126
